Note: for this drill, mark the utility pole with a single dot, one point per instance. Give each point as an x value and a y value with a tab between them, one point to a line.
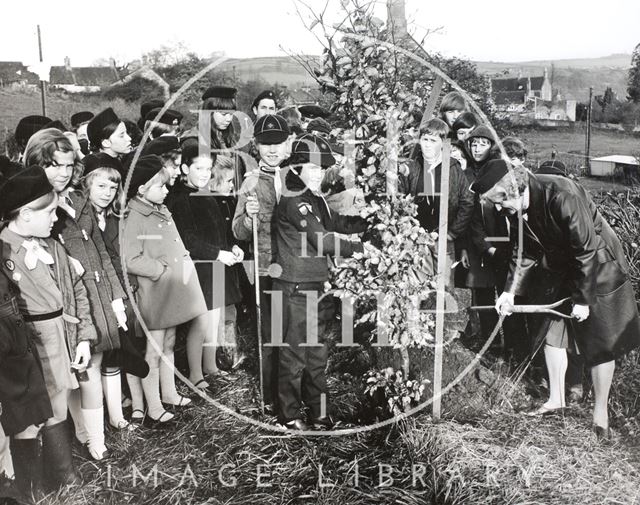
587	157
43	90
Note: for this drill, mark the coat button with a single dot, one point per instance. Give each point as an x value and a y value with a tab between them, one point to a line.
226	219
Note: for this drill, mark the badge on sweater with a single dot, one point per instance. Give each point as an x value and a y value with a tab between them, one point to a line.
304	208
11	266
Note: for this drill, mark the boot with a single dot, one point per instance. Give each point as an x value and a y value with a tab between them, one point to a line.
56	456
27	465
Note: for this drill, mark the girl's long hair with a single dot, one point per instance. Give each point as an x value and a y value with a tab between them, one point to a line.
222	139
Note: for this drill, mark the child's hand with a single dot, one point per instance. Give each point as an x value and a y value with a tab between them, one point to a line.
120	312
252	206
83	356
238	252
227	258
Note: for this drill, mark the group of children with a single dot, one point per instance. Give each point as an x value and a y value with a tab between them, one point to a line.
109	251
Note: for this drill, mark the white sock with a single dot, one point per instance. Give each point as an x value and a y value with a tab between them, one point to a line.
112	388
94	424
151	387
168	382
137	397
74	404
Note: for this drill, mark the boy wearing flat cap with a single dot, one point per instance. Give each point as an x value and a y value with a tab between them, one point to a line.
258	196
305	237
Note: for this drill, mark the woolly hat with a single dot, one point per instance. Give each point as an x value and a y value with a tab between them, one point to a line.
492	173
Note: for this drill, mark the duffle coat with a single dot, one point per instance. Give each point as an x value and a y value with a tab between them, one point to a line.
83	241
205	232
169	293
23	394
569	250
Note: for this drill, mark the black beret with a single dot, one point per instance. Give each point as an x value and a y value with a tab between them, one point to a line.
29	125
170	117
23	187
313	111
99	122
271	129
143	171
493	171
319	125
552	167
311	149
81	117
162	145
101	160
265	94
150	105
57	124
481	131
220	92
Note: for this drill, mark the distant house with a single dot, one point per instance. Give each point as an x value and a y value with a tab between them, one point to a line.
82	79
513	93
305	96
614	165
13	74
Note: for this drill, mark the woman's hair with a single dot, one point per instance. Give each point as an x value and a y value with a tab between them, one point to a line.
435	127
465	120
514	148
222	165
38	204
43	145
512	184
452	101
163	176
134	132
105	133
112	175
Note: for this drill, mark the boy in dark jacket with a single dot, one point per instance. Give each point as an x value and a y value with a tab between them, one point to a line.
305	236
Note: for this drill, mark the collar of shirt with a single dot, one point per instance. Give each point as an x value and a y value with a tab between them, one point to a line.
15	241
64	202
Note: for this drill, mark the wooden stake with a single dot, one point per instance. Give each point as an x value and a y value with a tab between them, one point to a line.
443	276
43	90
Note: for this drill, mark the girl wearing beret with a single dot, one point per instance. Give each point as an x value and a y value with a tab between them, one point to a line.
202	227
169	293
78	232
108	134
54	306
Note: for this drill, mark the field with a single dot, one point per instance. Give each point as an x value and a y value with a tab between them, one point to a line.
498	456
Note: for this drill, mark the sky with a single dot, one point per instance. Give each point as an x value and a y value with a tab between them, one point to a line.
492	30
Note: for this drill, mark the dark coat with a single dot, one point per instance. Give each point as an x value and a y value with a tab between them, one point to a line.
460	196
82	239
306	234
205	229
23	394
569	250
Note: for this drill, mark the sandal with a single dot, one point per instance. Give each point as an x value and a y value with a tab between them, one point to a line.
198	384
161	422
135	418
545	411
183	401
124	425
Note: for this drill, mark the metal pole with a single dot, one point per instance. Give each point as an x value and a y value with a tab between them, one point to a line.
588	146
443	275
254	222
43	90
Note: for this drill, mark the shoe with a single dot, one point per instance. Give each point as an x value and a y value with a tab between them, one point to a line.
137	419
123	425
56	457
602	434
182	401
295	425
322	423
166	420
202	385
545	411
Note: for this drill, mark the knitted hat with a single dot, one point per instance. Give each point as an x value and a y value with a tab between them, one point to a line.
492	173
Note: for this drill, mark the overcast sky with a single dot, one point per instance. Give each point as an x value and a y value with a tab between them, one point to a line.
493	30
